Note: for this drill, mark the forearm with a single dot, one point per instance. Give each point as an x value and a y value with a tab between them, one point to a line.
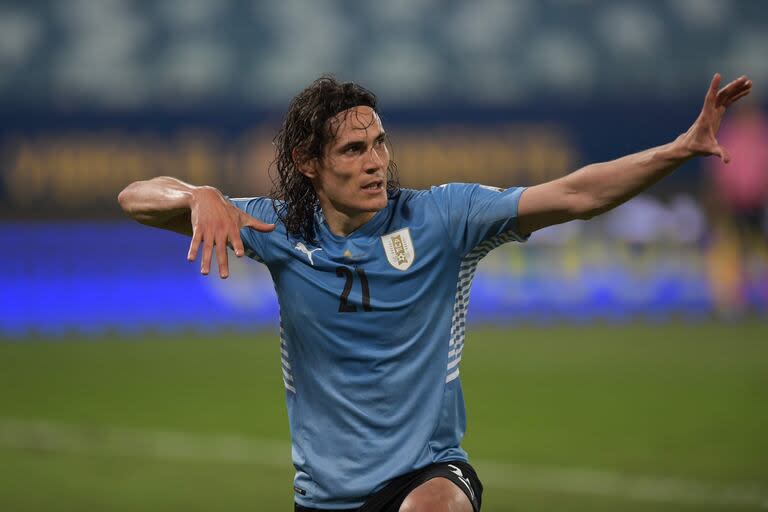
605	185
597	188
158	200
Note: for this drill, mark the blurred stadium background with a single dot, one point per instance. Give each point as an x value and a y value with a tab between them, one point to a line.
620	363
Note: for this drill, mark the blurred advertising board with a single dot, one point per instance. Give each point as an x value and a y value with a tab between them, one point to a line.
58	164
81	277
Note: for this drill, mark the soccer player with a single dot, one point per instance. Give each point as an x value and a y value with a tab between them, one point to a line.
373	284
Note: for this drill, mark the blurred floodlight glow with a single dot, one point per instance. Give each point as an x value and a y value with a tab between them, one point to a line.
485	27
631	30
400	65
119	53
19	33
101	54
702	14
561	61
185	15
195	68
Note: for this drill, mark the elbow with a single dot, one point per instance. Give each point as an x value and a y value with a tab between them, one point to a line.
126	198
122	199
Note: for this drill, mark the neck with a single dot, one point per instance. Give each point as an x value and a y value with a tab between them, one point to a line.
343	224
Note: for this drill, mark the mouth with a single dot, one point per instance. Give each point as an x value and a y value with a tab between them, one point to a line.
374	186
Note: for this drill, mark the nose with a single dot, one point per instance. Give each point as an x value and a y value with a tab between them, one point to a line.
375	161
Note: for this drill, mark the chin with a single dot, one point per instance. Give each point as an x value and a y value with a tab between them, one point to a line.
379	203
372	204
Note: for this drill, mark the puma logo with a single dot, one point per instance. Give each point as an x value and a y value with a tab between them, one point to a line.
456	471
303	248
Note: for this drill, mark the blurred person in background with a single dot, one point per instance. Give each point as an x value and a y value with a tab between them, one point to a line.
373	283
742	187
740	194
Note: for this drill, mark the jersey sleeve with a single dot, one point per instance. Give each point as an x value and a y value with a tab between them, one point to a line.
477	214
260	208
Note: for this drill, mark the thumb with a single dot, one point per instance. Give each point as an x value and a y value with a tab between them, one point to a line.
253	223
722	153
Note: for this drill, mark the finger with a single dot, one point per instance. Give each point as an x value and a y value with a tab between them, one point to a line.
194	245
732	83
747	85
743	93
714	86
205	266
221	258
728	97
733	88
237	244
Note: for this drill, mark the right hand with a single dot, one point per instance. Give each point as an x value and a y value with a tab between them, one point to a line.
216	223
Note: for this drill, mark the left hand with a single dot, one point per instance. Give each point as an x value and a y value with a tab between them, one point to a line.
701	137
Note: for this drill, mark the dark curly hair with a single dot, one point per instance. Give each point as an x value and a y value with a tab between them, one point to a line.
306	129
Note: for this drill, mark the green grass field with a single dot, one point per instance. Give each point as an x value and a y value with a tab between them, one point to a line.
632	418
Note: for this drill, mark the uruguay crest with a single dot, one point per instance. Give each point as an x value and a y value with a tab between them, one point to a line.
398	247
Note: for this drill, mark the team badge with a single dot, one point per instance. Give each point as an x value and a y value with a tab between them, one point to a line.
398	247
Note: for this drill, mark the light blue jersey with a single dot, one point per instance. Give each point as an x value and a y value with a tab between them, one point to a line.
372	332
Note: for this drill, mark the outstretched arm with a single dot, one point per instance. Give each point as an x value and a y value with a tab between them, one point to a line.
597	188
200	212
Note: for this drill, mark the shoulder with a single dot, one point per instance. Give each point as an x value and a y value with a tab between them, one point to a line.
437	199
443	195
435	191
454	195
407	200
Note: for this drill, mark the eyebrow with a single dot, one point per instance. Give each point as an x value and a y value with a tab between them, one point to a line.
360	142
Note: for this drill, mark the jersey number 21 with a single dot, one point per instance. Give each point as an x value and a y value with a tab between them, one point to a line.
346	273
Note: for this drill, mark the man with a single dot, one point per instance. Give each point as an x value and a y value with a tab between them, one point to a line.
373	284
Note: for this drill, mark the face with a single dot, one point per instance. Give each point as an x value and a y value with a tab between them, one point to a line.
351	178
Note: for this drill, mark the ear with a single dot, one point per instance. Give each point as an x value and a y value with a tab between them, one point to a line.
305	166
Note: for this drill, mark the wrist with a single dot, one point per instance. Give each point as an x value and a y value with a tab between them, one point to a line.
195	194
680	149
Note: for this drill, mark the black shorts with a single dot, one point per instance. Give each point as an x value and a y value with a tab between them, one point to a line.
389	498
